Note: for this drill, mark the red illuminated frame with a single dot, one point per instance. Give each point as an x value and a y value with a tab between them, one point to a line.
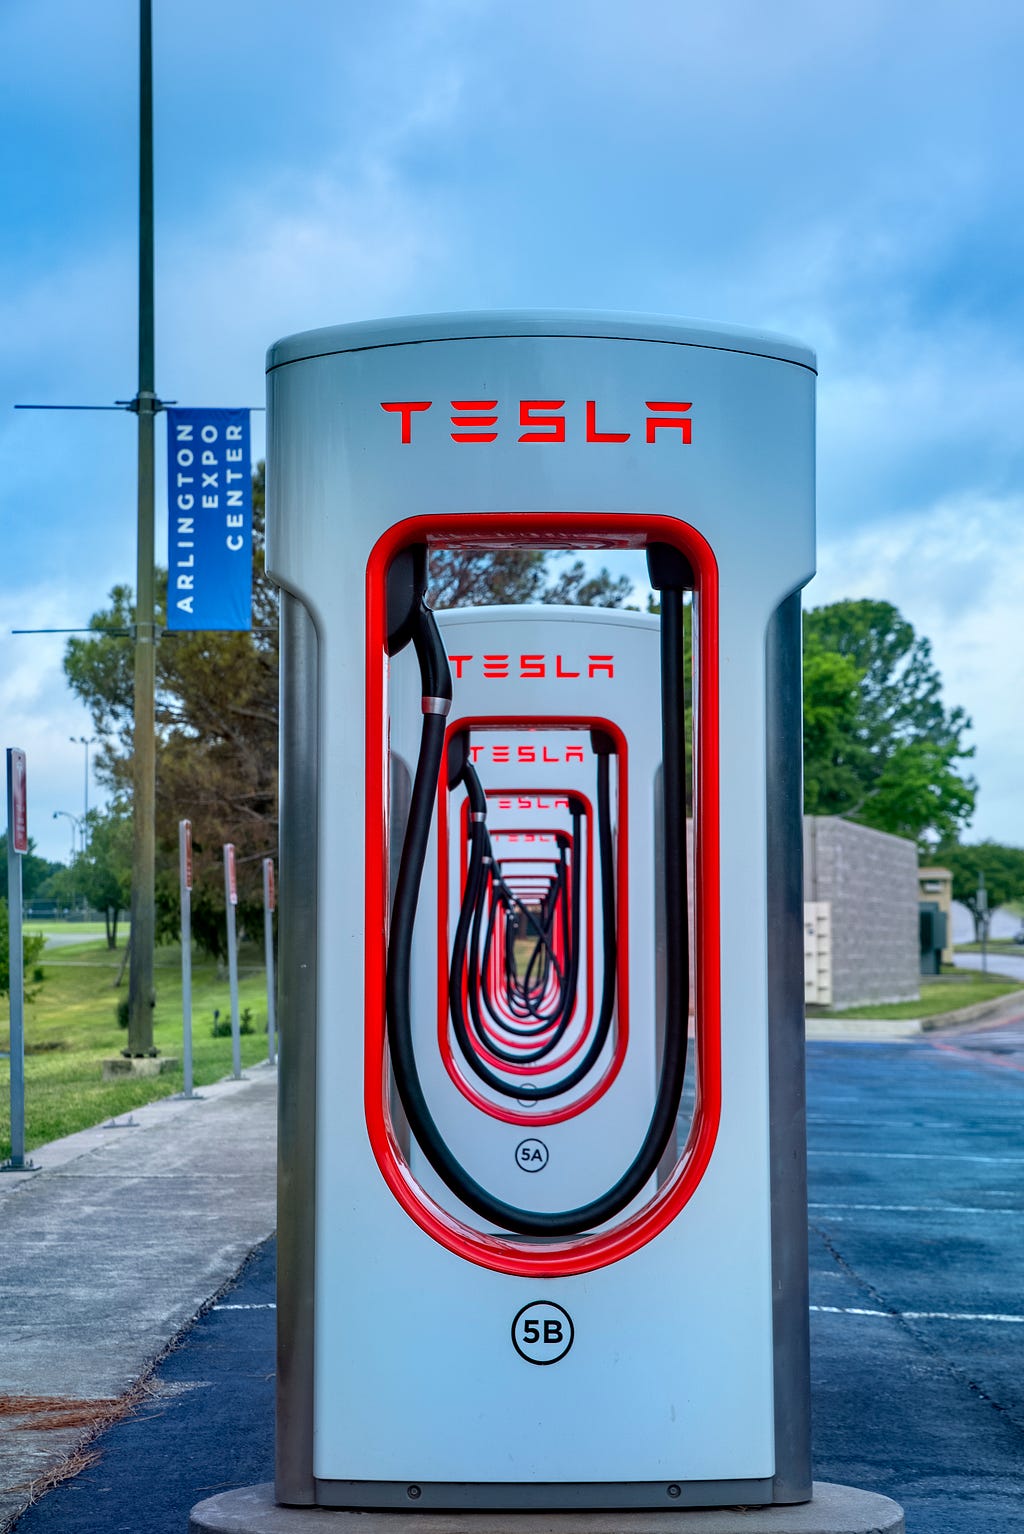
532	837
554	530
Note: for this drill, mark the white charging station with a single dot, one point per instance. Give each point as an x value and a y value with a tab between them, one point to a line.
428	1359
530	684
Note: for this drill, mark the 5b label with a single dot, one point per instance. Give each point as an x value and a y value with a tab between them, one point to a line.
542	1332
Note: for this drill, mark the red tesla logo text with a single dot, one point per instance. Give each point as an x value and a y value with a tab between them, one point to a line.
525	755
532	804
476	420
534	667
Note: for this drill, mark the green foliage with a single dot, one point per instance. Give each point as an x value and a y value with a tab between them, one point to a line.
103	873
71	1028
216	720
831	706
1001	866
879	746
123	1012
35	871
32	945
220	1028
485	578
942	995
574	587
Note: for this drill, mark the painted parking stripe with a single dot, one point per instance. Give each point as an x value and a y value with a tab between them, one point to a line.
925	1208
949	1155
830	1310
918	1315
244	1307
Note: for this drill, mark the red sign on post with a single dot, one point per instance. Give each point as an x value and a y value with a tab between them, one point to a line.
229	864
16	777
186	853
268	883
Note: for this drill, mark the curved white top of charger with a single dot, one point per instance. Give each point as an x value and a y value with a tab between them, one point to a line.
496	324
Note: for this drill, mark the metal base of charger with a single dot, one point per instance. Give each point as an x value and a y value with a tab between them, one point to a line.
832	1510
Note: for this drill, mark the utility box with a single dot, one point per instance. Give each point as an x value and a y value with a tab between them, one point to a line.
446	1341
933	929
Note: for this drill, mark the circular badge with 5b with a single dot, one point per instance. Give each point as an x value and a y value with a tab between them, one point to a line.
542	1332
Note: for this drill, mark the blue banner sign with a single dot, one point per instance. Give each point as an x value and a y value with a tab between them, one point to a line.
209	527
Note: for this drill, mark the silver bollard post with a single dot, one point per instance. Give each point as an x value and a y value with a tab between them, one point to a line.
268	946
231	900
185	867
17	846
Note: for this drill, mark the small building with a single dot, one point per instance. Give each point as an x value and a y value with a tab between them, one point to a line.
862	941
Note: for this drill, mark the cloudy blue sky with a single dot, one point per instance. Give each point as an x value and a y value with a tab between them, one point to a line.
848	171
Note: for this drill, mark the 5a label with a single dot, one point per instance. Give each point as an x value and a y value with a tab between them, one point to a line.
542	1332
532	1155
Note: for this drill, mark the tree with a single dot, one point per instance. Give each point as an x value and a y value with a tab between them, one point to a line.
879	745
1001	866
216	722
831	706
35	871
488	577
104	869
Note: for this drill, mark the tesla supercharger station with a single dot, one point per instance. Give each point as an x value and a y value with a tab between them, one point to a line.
531	685
647	1347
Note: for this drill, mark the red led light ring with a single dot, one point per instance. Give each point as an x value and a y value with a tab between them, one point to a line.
545	530
500	1109
514	1041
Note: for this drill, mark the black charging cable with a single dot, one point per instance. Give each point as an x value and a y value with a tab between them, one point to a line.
412	618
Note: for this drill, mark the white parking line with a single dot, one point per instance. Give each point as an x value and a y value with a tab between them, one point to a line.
950	1155
923	1208
916	1315
829	1310
244	1307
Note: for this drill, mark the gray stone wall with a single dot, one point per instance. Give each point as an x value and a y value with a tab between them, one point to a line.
870	878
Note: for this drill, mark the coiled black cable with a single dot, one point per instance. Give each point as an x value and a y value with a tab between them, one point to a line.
567	992
431	655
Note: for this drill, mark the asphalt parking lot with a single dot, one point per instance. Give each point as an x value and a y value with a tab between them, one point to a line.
916	1158
916	1154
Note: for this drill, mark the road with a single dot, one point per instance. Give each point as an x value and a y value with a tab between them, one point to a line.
916	1156
1009	964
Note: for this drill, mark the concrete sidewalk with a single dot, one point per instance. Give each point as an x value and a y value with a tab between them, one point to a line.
109	1250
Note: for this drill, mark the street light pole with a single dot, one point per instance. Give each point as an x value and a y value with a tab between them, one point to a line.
140	981
76	829
86	741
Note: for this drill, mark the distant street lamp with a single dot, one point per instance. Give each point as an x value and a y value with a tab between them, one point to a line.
86	741
77	829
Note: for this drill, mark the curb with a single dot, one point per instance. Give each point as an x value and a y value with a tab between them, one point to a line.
1004	1009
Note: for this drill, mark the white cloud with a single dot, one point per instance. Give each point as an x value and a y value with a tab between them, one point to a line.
956	571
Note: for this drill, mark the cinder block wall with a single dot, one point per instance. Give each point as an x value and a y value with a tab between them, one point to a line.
871	880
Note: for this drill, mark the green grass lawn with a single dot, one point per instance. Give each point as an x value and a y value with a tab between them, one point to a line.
943	993
58	928
994	945
71	1027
